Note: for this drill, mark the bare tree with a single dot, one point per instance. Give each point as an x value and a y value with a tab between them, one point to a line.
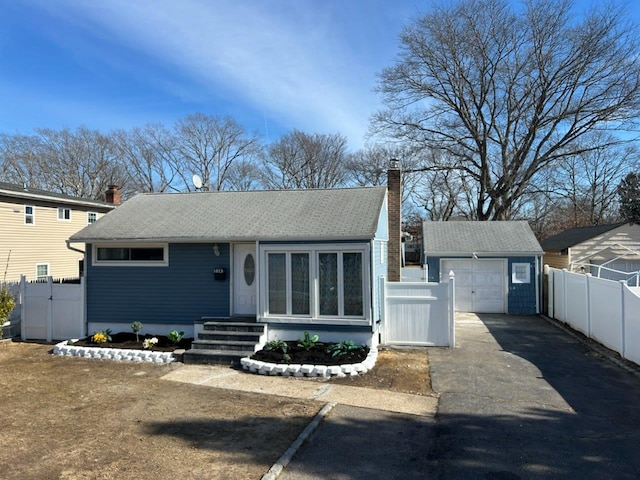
150	156
507	93
209	145
301	160
80	163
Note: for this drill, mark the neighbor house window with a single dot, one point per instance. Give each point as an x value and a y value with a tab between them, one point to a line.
316	282
29	215
138	255
520	273
64	213
92	217
42	272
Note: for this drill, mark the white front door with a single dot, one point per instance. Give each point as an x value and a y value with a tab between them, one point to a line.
245	276
480	284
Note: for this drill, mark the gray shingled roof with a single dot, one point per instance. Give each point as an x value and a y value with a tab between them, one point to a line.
350	213
574	236
26	192
482	238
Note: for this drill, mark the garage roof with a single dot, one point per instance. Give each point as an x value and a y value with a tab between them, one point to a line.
499	238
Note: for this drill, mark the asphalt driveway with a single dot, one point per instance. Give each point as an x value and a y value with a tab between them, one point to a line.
519	399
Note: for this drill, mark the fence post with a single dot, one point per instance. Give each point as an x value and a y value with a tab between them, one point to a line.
452	310
83	311
23	302
383	309
623	284
50	310
588	300
564	295
548	274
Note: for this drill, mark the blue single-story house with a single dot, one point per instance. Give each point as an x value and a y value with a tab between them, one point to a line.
290	260
497	265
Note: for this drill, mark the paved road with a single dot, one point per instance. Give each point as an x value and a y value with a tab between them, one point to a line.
519	399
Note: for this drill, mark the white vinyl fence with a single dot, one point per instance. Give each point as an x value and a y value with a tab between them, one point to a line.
604	310
418	313
51	311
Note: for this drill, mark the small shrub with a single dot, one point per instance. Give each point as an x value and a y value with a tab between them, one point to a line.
136	327
7	303
149	343
343	348
102	336
308	342
175	336
277	346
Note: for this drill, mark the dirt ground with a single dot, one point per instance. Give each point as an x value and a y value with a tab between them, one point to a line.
80	419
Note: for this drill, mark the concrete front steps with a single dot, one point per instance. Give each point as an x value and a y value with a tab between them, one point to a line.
225	341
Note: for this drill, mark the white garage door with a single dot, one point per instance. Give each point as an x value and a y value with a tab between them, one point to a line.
480	284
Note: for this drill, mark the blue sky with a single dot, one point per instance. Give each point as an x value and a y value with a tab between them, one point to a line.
272	65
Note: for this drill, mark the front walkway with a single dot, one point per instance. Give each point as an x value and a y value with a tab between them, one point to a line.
224	377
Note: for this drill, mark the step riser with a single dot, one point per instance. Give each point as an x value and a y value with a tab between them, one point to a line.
250	347
234	328
225	337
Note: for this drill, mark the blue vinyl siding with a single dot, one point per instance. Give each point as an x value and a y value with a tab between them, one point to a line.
521	297
180	293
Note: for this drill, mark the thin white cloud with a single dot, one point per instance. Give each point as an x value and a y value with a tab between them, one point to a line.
291	60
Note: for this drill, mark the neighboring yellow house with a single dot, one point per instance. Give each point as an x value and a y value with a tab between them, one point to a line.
34	227
615	247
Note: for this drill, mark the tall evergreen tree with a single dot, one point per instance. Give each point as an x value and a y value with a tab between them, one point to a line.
629	195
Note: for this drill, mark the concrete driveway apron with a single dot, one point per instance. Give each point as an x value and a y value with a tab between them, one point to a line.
520	399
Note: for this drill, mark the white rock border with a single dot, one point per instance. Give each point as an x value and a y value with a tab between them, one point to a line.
297	370
117	354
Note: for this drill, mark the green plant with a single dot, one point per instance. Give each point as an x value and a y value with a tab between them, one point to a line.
343	348
7	300
277	346
175	336
102	336
7	304
136	327
308	342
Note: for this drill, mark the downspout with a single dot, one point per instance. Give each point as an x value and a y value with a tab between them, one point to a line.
83	285
68	242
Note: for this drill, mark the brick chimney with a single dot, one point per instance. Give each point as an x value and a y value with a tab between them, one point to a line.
112	195
394	204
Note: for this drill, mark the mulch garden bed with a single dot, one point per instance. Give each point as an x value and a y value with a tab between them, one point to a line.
317	355
127	340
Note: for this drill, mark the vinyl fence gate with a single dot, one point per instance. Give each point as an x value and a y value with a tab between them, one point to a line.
418	313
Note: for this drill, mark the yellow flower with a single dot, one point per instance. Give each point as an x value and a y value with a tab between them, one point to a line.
99	337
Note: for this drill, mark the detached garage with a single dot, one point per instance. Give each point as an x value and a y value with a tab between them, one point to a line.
496	265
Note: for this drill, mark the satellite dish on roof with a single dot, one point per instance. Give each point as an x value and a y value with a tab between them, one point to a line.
197	181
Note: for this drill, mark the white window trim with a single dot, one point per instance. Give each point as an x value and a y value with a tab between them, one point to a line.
314	250
32	214
129	263
514	273
62	210
89	214
48	271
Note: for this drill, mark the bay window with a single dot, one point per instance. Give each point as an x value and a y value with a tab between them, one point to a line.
315	281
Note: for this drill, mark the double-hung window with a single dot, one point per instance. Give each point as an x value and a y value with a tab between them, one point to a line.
64	213
42	272
29	215
91	217
316	282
